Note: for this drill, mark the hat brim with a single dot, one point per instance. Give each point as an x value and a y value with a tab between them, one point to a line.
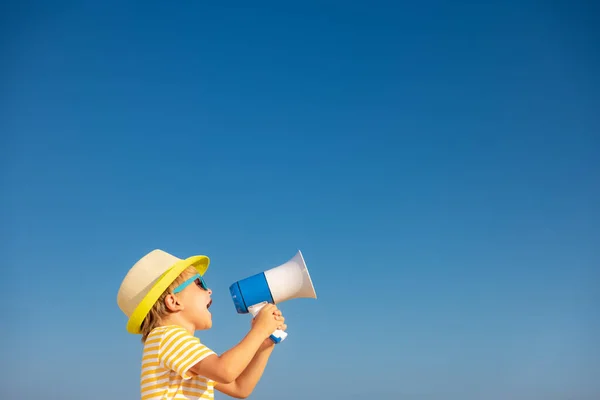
200	263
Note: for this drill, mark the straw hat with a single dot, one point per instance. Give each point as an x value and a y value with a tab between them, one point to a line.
148	279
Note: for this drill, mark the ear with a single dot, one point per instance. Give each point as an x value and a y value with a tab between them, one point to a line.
172	303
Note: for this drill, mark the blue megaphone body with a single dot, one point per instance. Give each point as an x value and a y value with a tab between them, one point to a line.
287	281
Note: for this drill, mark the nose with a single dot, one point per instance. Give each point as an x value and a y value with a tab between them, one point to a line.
209	291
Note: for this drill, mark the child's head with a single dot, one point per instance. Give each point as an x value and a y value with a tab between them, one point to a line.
161	289
186	301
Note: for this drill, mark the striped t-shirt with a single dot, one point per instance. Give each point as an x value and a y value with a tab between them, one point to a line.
169	352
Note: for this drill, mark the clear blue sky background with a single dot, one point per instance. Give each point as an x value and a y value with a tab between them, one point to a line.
437	164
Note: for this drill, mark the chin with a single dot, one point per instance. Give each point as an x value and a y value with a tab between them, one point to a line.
205	325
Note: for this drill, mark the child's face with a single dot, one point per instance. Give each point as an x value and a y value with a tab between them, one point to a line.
195	298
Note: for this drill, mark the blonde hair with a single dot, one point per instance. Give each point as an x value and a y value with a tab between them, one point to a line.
159	310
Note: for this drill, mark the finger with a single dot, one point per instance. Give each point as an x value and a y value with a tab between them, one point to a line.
282	327
267	309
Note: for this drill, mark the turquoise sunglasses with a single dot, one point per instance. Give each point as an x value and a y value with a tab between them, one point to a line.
197	279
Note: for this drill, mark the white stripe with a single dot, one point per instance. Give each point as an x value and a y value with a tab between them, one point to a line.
153	352
152	383
151	368
157	397
155	334
200	358
161	394
179	361
147	392
166	357
176	334
151	348
178	396
155	375
196	390
177	337
172	392
150	361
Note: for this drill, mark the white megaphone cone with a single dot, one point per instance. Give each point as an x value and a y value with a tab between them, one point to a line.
285	282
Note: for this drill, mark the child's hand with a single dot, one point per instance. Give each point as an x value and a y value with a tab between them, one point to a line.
268	343
268	319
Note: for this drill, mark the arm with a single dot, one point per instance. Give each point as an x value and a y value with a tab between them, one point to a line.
228	367
243	386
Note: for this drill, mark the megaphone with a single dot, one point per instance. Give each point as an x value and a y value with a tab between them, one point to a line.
287	281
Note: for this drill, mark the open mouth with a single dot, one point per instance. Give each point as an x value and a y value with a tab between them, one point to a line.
209	304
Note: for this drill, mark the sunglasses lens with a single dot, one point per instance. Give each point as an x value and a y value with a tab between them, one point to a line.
200	282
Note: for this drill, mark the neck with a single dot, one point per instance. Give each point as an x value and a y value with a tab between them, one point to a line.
176	319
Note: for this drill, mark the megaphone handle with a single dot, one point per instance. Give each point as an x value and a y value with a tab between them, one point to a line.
278	336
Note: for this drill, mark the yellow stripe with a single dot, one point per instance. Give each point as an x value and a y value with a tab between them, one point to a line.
177	352
162	385
150	396
199	392
173	338
194	358
181	348
155	335
147	357
155	371
205	395
147	379
195	384
150	348
155	364
152	339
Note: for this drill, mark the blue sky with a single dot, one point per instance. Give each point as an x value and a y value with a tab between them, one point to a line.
437	164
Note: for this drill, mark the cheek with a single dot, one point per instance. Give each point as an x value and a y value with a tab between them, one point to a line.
202	300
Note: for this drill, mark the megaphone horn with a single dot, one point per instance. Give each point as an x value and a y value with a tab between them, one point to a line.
285	282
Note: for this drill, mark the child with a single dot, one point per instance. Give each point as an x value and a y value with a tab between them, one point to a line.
166	301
